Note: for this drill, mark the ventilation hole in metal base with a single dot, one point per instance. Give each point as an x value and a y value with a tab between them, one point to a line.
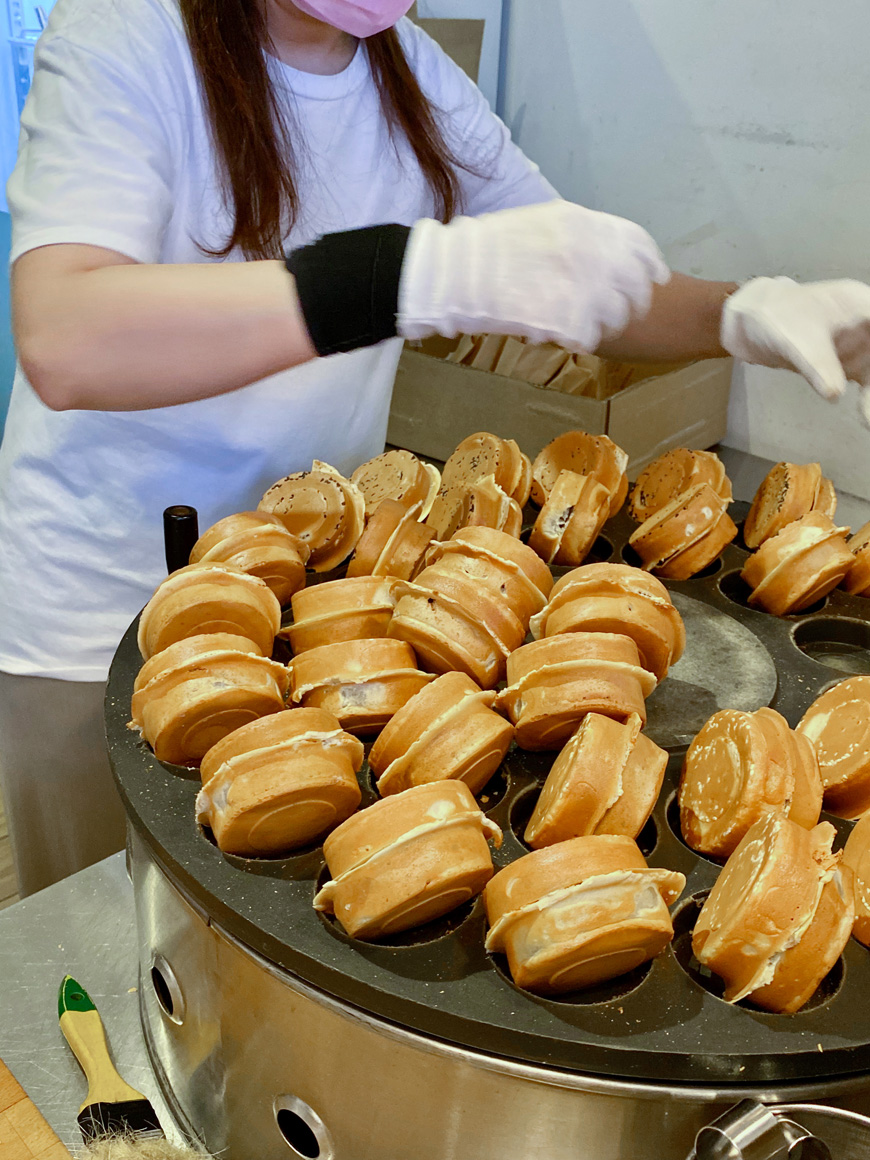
298	1135
167	990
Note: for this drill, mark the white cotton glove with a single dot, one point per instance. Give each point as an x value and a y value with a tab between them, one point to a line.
820	329
554	272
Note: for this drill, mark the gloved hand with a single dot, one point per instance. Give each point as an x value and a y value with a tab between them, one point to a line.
554	272
820	329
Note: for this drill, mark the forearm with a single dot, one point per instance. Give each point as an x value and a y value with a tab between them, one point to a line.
131	337
683	322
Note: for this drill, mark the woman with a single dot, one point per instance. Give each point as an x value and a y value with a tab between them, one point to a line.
171	151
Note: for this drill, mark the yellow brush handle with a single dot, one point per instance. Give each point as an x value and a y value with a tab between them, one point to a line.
83	1031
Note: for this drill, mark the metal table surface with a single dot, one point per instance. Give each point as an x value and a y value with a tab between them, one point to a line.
84	926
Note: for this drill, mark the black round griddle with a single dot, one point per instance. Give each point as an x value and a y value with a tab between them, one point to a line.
665	1021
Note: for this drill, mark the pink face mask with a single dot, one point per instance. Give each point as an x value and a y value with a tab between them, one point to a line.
363	19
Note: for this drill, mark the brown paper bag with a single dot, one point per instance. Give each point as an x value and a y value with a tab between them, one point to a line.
486	355
539	364
510	355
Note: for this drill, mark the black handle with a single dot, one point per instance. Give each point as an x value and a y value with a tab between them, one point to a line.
180	533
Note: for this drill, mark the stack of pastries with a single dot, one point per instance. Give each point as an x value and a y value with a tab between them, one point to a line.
407	649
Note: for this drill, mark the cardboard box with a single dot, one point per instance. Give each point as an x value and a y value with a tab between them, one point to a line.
436	404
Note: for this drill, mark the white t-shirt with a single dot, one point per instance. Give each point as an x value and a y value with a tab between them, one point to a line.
115	152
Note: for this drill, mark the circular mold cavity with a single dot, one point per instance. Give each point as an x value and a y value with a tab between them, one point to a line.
630	557
264	863
167	991
494	791
302	1130
600	551
648	838
734	588
607	992
684	924
838	642
712	569
521	810
431	932
672	816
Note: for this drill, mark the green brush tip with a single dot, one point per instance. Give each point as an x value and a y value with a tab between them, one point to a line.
73	997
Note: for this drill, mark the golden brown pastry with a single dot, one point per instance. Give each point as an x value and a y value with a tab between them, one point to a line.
193	693
857	580
484	454
740	766
470	607
605	781
798	565
673	473
856	855
577	451
686	535
407	860
394	543
779	915
621	599
400	476
354	608
322	509
448	730
486	505
571	518
279	783
448	511
205	598
787	493
826	498
579	913
838	726
259	544
361	682
553	683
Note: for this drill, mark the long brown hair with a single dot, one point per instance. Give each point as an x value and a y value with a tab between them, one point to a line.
252	135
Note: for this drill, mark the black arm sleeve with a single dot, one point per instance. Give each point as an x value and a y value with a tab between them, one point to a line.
348	286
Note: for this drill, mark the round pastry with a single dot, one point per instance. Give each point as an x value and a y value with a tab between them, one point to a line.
857	580
579	913
394	543
407	860
486	505
362	682
448	730
553	683
259	544
740	766
838	726
778	916
798	565
485	454
826	498
279	783
571	518
454	624
513	569
605	781
470	607
205	598
399	476
577	451
357	608
856	855
788	492
673	473
621	599
322	509
196	691
685	535
448	510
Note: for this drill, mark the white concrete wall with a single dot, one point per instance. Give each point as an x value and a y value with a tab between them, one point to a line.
739	134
